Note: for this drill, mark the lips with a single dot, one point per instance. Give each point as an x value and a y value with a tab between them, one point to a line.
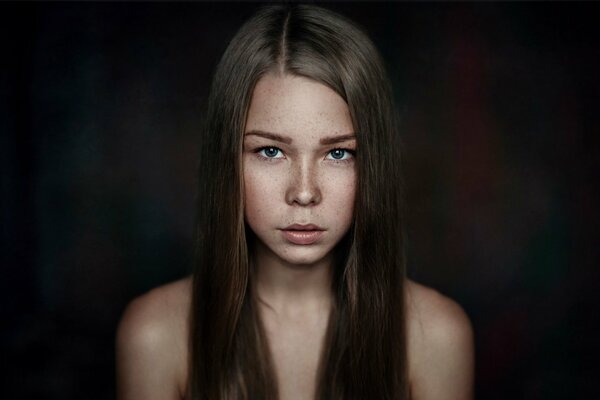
308	227
302	234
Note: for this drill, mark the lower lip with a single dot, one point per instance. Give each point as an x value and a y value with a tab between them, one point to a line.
302	237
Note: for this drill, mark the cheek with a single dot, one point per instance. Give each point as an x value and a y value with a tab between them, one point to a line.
349	194
260	194
252	197
341	194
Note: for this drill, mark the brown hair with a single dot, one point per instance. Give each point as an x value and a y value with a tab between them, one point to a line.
365	352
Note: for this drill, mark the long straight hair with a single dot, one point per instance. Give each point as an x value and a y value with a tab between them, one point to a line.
365	350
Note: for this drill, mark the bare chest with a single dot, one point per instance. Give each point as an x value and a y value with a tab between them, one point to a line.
296	349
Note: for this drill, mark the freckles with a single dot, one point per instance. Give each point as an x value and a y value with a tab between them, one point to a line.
262	189
340	192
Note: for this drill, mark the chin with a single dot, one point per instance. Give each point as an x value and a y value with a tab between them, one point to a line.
294	255
304	256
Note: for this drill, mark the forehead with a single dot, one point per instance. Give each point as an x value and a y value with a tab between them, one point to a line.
297	107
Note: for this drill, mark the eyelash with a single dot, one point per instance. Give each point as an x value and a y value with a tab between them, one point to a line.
271	159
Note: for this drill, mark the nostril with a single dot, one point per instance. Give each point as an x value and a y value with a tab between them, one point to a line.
304	189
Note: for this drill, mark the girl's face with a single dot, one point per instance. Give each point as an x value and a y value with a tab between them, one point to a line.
299	169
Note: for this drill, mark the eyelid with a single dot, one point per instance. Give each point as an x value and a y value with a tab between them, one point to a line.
349	152
260	149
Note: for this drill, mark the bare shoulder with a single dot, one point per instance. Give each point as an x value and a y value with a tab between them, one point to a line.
440	345
152	344
434	315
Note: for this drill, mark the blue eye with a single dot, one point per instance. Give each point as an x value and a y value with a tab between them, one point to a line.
340	154
269	152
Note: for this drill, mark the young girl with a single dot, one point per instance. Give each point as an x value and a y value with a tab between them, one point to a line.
299	290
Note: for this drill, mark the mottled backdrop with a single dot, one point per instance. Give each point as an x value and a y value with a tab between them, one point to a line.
100	106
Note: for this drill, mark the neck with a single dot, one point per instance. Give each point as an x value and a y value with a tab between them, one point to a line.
288	288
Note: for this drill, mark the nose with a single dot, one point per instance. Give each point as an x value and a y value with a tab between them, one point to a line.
303	188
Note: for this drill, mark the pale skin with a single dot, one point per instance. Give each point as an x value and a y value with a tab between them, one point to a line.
298	169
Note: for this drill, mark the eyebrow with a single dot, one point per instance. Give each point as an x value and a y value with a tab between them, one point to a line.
337	139
286	140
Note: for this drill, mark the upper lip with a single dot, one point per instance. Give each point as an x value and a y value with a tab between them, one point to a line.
299	227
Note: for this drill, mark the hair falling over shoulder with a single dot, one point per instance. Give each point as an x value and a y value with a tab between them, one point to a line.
365	349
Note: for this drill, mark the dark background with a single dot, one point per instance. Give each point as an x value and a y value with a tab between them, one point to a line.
100	108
